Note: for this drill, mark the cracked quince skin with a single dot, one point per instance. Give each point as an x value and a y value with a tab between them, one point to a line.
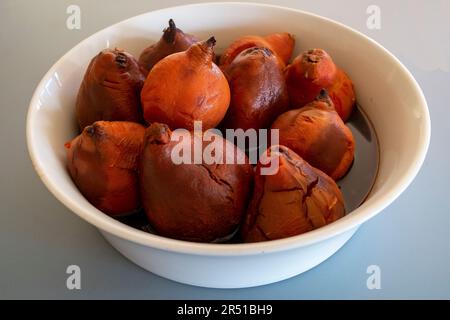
188	201
298	198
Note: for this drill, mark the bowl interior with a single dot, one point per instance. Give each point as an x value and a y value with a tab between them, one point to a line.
386	91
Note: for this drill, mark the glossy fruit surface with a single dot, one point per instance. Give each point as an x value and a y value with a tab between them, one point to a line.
258	90
103	163
295	200
110	90
317	134
282	44
186	87
314	70
173	40
196	202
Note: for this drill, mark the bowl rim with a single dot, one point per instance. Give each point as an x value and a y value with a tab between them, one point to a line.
123	231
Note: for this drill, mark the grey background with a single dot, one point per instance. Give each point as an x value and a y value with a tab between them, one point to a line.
39	237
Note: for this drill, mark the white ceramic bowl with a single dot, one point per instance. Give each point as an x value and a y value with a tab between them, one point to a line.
386	90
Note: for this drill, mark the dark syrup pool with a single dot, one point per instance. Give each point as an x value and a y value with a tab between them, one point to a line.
358	182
